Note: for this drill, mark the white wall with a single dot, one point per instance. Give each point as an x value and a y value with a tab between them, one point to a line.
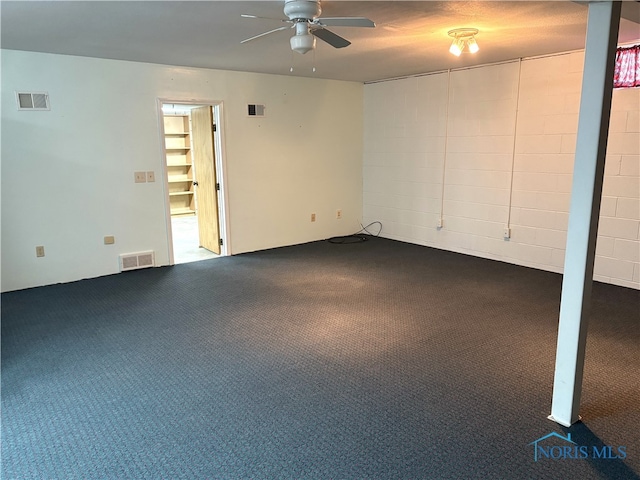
67	174
414	128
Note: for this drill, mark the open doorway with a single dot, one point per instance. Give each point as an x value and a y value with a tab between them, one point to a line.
192	166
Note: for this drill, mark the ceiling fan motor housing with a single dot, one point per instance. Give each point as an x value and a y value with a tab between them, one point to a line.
302	9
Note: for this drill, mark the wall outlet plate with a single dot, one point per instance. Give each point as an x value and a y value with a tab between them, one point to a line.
139	177
39	251
151	177
313	217
507	232
339	214
109	240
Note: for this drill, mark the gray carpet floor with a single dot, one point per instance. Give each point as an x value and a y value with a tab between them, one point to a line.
374	360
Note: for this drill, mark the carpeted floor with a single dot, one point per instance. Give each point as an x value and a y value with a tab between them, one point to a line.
376	360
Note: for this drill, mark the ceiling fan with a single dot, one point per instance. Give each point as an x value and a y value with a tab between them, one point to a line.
304	16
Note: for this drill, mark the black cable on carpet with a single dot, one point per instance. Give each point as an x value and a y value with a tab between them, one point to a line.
357	237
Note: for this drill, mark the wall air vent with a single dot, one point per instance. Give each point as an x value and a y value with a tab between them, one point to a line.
134	261
255	110
33	100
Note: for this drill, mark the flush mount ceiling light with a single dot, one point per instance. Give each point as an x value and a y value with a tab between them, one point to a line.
463	37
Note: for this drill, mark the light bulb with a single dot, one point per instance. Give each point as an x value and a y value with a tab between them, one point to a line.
473	45
457	46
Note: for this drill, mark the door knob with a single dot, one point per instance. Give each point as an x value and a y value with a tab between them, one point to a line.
195	184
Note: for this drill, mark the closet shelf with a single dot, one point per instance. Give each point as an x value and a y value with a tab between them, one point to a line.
179	164
182	211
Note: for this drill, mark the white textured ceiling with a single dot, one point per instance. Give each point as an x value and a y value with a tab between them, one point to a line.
410	37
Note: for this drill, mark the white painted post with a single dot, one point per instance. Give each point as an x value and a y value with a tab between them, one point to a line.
588	172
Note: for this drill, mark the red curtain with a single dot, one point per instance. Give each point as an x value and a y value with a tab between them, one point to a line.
627	71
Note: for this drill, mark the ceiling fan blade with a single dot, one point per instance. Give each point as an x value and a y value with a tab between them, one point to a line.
345	22
331	38
244	15
265	33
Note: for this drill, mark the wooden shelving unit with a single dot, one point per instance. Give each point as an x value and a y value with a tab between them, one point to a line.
179	164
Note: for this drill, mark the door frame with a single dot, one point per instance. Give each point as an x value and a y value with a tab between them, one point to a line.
221	170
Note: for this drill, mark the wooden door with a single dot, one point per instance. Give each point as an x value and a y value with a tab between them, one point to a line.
205	176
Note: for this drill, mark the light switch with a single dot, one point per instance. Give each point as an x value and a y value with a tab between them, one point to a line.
151	177
140	177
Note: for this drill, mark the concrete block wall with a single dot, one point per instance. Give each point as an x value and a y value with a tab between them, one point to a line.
482	106
404	140
618	250
490	148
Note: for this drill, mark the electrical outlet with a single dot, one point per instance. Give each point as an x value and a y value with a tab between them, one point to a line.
507	232
440	223
109	240
339	214
40	251
139	177
313	217
151	177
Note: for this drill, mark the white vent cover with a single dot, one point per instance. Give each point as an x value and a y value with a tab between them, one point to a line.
255	110
33	100
134	261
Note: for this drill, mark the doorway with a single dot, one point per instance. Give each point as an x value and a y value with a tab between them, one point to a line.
192	166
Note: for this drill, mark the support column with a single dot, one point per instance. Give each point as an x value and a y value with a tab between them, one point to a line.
586	192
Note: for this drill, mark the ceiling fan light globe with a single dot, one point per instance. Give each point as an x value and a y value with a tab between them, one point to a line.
303	43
